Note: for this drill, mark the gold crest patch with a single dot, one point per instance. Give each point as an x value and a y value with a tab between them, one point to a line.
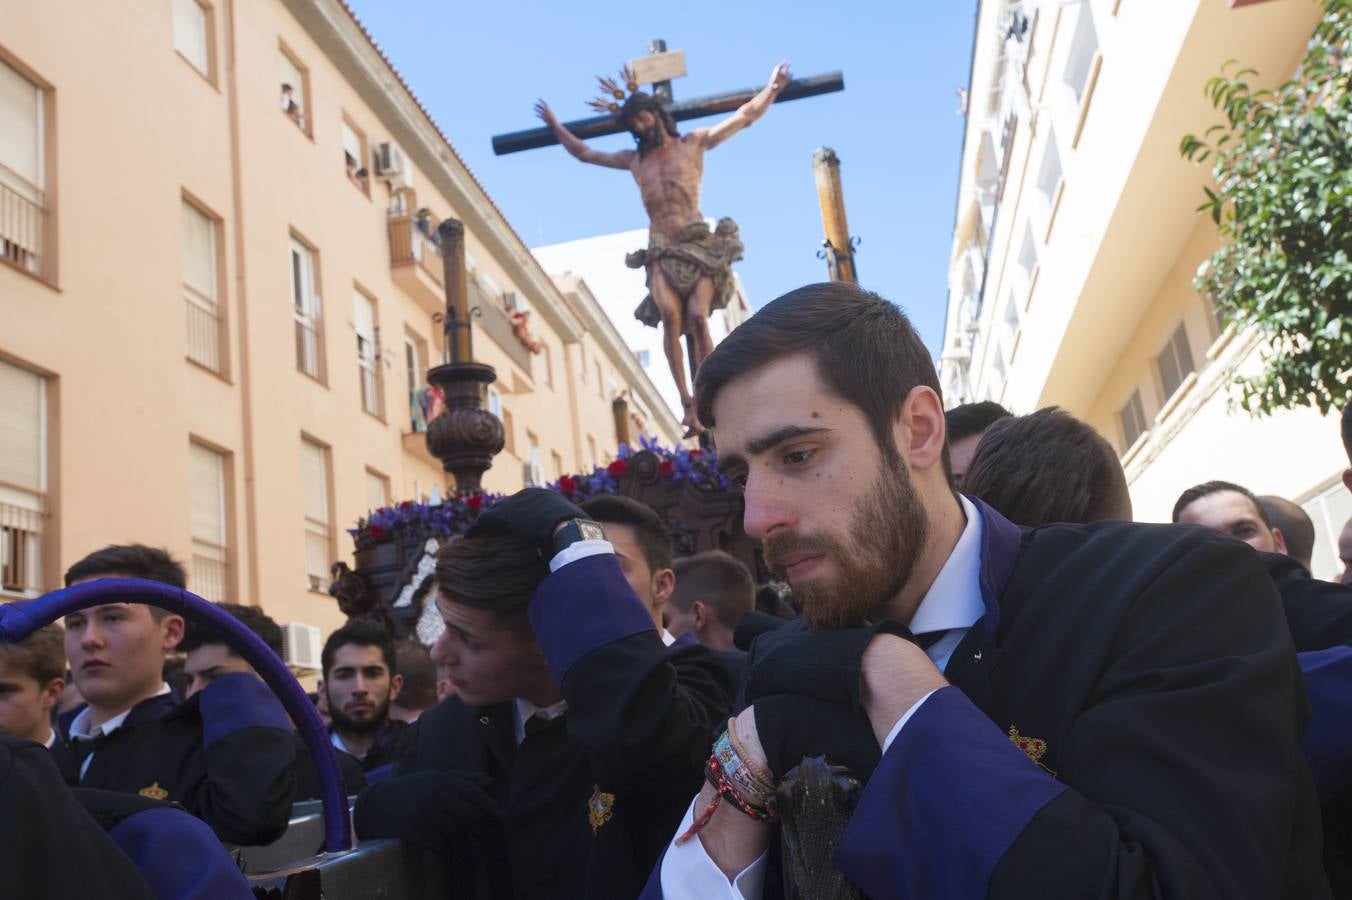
600	808
154	792
1033	748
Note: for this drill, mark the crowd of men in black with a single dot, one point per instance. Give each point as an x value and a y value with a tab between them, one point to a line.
1042	698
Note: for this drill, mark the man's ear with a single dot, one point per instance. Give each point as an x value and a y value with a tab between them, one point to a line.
700	613
920	430
50	696
1347	479
396	685
1280	540
664	582
173	631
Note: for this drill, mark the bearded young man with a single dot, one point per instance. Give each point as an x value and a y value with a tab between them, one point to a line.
1106	710
361	682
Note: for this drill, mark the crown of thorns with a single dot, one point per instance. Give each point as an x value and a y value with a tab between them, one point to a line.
611	92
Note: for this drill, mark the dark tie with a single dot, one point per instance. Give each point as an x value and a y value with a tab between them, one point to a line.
929	638
537	723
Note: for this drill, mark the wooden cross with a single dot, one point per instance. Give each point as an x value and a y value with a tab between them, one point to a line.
658	68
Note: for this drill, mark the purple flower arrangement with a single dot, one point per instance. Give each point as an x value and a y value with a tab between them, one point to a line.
409	520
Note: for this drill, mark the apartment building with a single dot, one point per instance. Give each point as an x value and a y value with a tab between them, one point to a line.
220	292
1076	240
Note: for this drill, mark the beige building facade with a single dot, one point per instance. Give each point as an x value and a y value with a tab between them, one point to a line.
1077	239
219	296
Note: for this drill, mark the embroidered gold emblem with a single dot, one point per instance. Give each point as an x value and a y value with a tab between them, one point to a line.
154	792
1033	748
600	808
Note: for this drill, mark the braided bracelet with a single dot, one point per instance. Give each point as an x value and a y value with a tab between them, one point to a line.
724	771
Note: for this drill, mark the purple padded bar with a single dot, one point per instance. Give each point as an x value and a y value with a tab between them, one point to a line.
22	617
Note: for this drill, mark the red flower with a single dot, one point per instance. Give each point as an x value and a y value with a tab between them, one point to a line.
407	504
475	503
568	484
618	468
378	533
695	454
666	469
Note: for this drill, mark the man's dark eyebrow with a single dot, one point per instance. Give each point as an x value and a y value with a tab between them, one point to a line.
757	446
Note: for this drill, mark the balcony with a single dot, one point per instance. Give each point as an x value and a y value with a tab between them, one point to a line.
20	550
23	224
203	331
209	571
416	263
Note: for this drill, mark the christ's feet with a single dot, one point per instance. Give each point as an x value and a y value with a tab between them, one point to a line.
691	419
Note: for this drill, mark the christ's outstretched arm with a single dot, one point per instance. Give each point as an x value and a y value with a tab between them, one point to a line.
748	112
578	147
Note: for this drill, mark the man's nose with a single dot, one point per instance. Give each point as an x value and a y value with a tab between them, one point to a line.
768	508
91	635
440	649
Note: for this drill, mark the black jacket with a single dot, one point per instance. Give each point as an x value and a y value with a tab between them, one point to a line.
1319	613
226	754
592	799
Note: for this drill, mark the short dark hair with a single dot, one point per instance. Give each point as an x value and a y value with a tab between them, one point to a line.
363	633
260	623
414	664
718	580
1295	524
1207	488
1347	432
496	572
131	561
1047	467
973	418
654	538
41	656
865	349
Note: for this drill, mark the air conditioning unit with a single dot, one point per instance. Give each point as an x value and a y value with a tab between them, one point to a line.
389	161
534	474
301	646
514	302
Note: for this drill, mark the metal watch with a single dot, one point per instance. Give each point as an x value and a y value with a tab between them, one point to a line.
571	531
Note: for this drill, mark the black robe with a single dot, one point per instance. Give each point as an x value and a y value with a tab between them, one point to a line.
591	799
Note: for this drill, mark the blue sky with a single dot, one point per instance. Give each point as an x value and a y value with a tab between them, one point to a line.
478	68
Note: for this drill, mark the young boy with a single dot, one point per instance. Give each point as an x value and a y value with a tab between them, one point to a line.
31	683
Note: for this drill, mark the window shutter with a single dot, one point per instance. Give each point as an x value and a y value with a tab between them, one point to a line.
199	252
377	491
21	426
20	135
364	319
352	144
190	33
206	490
314	471
291	75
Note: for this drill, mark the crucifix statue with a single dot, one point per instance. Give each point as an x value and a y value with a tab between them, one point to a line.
688	264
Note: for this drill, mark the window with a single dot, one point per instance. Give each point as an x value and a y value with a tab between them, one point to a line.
1132	418
206	496
600	383
318	540
192	34
354	157
555	465
1011	315
377	490
509	429
1049	174
415	364
1083	48
23	214
1027	257
201	282
1329	509
305	309
1174	362
645	358
534	473
495	401
23	479
368	352
295	90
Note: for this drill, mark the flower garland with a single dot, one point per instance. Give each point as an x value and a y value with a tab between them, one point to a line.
413	521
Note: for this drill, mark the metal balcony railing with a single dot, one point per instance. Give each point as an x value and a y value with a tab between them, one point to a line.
203	330
23	223
21	541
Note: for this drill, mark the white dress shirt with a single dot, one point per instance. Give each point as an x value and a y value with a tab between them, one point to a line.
80	730
952	603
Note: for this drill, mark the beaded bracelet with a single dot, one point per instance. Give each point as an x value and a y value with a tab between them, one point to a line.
739	768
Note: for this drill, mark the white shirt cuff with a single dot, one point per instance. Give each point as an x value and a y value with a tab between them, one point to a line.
896	729
689	874
579	550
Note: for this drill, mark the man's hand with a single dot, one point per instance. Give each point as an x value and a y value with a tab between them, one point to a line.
821	664
789	727
428	809
531	515
545	113
780	76
894	675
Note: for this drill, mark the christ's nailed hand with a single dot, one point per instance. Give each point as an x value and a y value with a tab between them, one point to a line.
781	75
544	112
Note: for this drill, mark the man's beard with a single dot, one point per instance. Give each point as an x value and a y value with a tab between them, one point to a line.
650	139
875	559
345	724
